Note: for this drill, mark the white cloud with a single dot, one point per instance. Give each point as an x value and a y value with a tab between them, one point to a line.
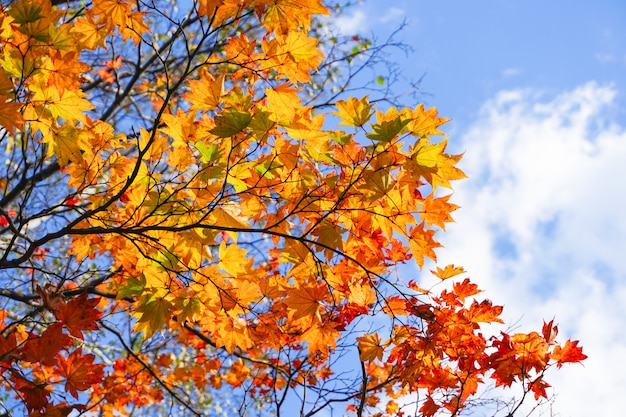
361	21
604	57
393	15
542	228
511	72
351	24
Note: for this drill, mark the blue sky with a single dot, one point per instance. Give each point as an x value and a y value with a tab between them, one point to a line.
536	92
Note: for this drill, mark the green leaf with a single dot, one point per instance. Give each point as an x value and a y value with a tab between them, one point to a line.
155	313
231	122
340	137
387	130
380	80
209	152
133	286
265	169
261	125
26	12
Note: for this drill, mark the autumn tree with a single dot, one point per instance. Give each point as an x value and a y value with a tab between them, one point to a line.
198	217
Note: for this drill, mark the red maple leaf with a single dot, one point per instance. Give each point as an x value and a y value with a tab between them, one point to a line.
79	371
79	314
44	349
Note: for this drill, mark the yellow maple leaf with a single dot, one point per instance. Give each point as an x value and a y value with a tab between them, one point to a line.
135	27
362	295
370	347
430	162
232	259
448	272
67	144
354	112
425	122
282	16
206	93
69	105
153	311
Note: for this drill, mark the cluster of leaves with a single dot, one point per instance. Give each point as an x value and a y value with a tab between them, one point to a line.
177	219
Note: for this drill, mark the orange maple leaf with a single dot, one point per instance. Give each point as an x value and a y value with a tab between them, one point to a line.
448	272
306	300
570	352
484	312
437	210
321	338
465	289
422	243
79	371
10	116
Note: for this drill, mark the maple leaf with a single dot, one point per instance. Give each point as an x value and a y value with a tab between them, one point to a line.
232	259
114	12
106	72
370	347
306	301
465	289
437	210
395	306
362	295
281	16
387	129
570	352
549	332
425	123
45	348
35	395
68	144
448	272
206	93
321	338
430	162
29	11
232	334
538	387
8	346
422	243
484	311
79	371
154	311
79	314
69	106
231	122
429	407
89	31
10	116
135	27
354	112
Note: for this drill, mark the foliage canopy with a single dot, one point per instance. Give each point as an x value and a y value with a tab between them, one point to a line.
180	228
